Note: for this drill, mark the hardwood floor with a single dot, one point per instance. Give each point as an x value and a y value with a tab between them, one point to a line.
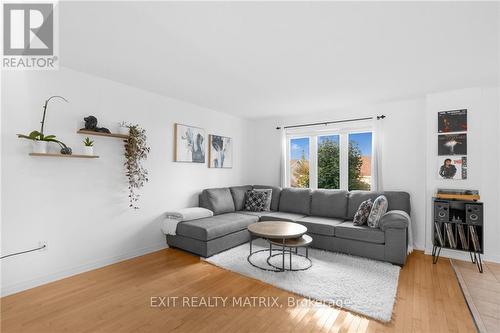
117	298
482	292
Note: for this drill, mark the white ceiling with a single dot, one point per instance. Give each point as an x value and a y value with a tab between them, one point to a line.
266	59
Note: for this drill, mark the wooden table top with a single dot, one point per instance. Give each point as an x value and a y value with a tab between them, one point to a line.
301	241
277	229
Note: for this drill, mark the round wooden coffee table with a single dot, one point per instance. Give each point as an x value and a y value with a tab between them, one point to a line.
288	236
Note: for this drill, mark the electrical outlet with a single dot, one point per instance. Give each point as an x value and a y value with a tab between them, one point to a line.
43	243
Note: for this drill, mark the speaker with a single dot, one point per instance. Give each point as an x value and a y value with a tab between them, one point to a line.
474	214
441	211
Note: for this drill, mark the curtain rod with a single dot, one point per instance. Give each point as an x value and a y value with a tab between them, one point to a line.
332	122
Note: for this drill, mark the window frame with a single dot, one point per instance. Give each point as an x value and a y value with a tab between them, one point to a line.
313	135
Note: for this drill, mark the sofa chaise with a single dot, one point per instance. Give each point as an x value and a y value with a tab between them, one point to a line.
327	214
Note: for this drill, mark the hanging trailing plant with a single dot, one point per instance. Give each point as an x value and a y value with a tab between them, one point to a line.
136	151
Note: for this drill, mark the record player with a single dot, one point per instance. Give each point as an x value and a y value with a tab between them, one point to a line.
457	194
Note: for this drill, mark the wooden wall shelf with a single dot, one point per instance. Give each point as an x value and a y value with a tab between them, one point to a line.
111	135
61	155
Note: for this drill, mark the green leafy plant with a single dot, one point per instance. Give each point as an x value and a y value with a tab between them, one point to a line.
40	136
37	136
88	143
136	151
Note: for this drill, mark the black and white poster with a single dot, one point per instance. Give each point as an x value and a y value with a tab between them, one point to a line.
452	121
452	167
452	144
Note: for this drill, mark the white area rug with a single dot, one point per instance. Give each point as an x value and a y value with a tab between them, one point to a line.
361	285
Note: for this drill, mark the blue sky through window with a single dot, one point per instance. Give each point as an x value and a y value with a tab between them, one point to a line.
364	141
301	145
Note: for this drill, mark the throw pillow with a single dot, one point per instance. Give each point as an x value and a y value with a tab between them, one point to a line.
379	208
269	193
363	212
255	201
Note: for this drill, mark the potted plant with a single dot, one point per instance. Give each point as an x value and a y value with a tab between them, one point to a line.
136	150
88	146
40	140
123	128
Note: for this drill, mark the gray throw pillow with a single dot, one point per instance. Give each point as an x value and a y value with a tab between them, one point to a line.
219	200
269	193
379	208
255	201
364	209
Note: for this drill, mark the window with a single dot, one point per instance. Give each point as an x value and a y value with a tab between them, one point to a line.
360	161
299	162
329	161
337	159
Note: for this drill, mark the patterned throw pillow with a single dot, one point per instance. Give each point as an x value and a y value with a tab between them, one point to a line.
269	193
379	208
363	212
255	201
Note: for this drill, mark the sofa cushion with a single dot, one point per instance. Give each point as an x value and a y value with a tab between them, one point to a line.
363	233
275	195
269	197
379	208
364	209
280	216
329	203
219	200
295	200
215	226
320	225
258	214
397	200
257	200
238	194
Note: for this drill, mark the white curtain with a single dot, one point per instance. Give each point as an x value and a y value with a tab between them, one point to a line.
283	168
377	176
377	139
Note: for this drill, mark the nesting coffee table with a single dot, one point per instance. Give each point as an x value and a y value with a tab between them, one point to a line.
288	237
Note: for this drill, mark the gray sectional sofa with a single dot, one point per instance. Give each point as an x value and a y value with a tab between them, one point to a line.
327	214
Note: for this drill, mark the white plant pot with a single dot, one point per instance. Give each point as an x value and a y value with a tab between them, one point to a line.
89	151
40	147
123	130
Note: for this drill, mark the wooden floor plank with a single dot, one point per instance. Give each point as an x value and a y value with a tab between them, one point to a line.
117	298
482	292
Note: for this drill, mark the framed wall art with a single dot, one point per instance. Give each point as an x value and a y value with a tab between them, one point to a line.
220	152
189	144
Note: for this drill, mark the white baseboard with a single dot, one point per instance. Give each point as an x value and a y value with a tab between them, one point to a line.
492	258
418	248
28	284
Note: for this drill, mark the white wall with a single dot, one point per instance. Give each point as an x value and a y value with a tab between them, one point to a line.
79	206
402	153
483	166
